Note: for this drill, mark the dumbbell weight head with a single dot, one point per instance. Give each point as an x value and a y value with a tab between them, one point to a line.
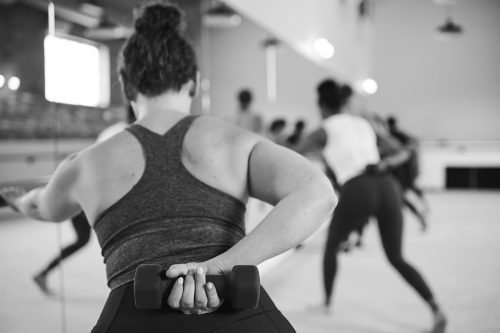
245	287
149	286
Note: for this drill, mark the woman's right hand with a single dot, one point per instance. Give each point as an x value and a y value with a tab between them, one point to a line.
191	294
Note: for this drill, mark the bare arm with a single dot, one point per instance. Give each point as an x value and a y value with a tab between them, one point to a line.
313	142
394	153
54	202
303	199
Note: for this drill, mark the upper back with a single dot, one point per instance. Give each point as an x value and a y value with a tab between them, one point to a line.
166	198
202	150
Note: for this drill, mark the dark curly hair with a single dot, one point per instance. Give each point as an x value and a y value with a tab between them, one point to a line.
156	58
332	95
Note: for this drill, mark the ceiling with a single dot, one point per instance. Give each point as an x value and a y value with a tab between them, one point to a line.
117	10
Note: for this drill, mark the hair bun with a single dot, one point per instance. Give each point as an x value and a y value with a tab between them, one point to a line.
158	17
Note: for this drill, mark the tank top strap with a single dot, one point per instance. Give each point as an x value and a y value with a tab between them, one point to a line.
148	141
174	138
162	151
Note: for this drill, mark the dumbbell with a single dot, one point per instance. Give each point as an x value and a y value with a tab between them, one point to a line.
241	288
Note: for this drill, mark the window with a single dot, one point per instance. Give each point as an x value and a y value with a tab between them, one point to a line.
76	72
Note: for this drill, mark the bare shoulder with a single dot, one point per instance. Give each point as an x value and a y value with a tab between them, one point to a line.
108	170
209	130
217	153
102	151
106	159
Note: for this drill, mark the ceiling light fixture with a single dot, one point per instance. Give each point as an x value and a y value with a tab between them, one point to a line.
324	48
449	28
221	16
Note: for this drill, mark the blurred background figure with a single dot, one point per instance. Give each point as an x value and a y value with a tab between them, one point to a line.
349	146
297	133
408	172
247	117
82	232
276	131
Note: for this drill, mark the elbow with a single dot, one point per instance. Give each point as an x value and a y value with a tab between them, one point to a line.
325	195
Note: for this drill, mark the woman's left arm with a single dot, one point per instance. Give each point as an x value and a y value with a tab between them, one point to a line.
54	202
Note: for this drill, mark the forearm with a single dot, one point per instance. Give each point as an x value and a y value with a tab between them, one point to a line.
292	220
397	159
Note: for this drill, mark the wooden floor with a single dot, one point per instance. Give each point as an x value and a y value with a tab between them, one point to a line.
459	256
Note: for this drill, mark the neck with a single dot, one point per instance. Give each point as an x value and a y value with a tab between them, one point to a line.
160	111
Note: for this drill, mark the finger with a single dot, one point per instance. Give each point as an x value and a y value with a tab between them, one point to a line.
213	300
199	292
187	300
177	270
174	299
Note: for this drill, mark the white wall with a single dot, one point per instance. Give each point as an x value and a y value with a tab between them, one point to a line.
299	23
436	157
439	89
237	60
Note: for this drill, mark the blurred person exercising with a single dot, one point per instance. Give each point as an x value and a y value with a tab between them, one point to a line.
246	117
172	189
276	131
349	146
408	171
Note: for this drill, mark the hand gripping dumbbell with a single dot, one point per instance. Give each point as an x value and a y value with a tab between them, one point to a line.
241	287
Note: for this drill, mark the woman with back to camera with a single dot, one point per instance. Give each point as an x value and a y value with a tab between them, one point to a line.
172	188
349	147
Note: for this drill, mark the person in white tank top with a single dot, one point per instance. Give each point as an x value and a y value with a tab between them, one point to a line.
351	146
348	144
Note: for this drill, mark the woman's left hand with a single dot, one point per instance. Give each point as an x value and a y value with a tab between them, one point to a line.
11	194
191	294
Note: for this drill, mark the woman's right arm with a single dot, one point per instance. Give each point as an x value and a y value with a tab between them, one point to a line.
303	198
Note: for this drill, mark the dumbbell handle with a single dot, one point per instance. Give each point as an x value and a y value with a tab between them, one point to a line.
219	281
150	280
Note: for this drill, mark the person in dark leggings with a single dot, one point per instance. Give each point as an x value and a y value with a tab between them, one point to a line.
82	231
172	190
407	172
349	147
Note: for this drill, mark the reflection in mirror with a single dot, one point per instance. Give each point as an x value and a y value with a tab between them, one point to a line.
58	91
54	89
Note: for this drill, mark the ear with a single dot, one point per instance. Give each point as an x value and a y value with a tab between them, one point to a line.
195	85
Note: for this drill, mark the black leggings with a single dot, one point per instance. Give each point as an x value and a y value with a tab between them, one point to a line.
82	230
121	316
362	197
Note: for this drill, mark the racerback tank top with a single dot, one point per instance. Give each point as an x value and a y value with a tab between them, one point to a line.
169	216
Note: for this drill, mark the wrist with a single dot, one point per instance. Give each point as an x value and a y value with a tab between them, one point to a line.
220	264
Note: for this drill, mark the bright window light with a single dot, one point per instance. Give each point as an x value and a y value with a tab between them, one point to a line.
76	72
2	80
324	48
14	83
370	86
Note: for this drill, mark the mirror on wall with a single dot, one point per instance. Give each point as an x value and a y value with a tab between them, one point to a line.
58	91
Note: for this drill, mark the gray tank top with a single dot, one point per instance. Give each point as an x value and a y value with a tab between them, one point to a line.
169	216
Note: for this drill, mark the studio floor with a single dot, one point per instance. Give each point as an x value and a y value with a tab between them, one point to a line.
459	256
